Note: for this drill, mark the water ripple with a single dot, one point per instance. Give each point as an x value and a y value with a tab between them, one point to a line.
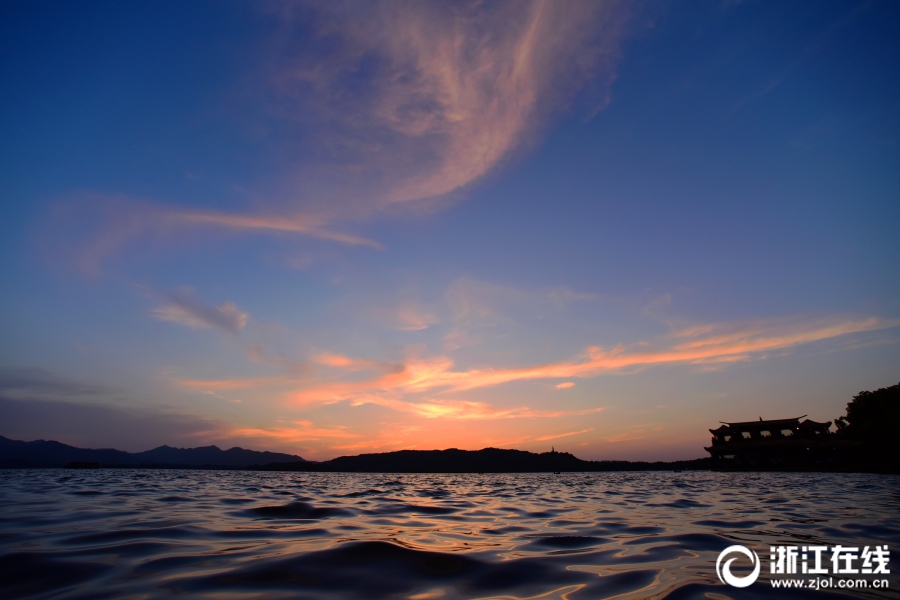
154	534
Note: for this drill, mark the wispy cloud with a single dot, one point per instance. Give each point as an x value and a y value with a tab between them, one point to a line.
565	385
186	309
441	92
295	431
336	360
374	444
808	51
227	385
636	432
389	436
560	435
306	224
411	317
467	410
340	361
738	345
32	382
405	315
89	229
257	353
721	344
708	346
390	104
478	307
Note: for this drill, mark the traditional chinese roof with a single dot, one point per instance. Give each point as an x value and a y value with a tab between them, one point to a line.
775	424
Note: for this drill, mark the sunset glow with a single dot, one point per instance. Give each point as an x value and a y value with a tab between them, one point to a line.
329	228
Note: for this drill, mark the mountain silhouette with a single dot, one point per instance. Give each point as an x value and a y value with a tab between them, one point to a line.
41	453
488	460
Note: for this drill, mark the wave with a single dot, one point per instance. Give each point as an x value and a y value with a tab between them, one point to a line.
117	533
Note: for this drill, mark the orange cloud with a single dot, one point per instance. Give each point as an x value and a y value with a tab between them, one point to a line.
559	435
626	437
340	361
719	344
482	90
737	346
384	445
333	360
464	409
390	436
413	318
298	431
565	385
455	88
423	375
637	432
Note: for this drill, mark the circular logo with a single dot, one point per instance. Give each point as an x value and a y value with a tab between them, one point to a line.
724	573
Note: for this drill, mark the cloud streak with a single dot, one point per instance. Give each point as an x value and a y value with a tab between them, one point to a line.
227	385
424	98
466	83
296	431
86	230
310	225
708	346
720	344
467	410
561	435
388	105
32	382
186	309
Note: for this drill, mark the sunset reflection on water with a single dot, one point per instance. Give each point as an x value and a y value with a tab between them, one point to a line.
145	533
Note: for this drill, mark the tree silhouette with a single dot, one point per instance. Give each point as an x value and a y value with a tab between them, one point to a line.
874	419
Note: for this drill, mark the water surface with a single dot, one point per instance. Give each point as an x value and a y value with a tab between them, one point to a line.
239	534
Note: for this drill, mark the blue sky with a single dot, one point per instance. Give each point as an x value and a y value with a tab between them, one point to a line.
346	227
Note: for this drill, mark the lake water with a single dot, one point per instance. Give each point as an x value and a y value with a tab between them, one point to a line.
236	534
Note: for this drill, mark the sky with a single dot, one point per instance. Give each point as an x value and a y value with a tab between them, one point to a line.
330	228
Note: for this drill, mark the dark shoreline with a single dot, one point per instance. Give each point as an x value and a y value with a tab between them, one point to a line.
488	460
49	454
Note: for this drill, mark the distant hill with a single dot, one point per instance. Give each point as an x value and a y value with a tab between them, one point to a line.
41	453
488	460
212	455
